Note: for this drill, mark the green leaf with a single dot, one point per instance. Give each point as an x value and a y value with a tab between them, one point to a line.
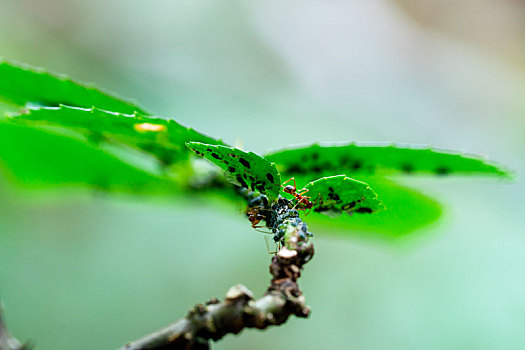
353	159
246	169
6	108
163	138
407	211
36	158
337	194
23	85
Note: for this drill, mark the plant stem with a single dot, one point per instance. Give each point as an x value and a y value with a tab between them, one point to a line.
239	310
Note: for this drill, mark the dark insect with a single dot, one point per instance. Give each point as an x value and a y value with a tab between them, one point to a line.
255	216
303	202
282	212
257	210
275	217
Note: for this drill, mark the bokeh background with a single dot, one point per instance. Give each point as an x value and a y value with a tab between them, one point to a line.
83	270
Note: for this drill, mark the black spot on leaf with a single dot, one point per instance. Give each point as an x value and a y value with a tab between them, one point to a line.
442	170
407	168
357	165
316	169
244	162
333	196
260	186
321	209
231	169
242	182
166	158
364	210
215	155
269	177
295	168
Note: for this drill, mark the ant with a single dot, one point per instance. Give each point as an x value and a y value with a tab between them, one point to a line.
255	217
257	210
303	202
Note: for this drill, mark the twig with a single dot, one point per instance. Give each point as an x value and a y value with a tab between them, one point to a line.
239	310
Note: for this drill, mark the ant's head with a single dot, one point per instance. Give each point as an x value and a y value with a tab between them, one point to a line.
289	189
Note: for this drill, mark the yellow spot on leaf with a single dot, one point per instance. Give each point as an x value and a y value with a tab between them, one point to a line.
149	127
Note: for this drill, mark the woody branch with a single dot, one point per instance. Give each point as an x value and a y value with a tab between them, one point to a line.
239	310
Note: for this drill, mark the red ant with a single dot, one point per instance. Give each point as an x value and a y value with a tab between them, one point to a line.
303	202
254	217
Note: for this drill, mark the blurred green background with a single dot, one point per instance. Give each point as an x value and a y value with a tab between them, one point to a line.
85	270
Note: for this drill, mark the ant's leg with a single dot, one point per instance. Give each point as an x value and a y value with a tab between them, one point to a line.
267	246
290	179
303	191
313	203
265	232
294	184
301	201
296	204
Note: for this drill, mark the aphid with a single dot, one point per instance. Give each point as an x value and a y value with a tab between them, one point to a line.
258	201
275	217
303	202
